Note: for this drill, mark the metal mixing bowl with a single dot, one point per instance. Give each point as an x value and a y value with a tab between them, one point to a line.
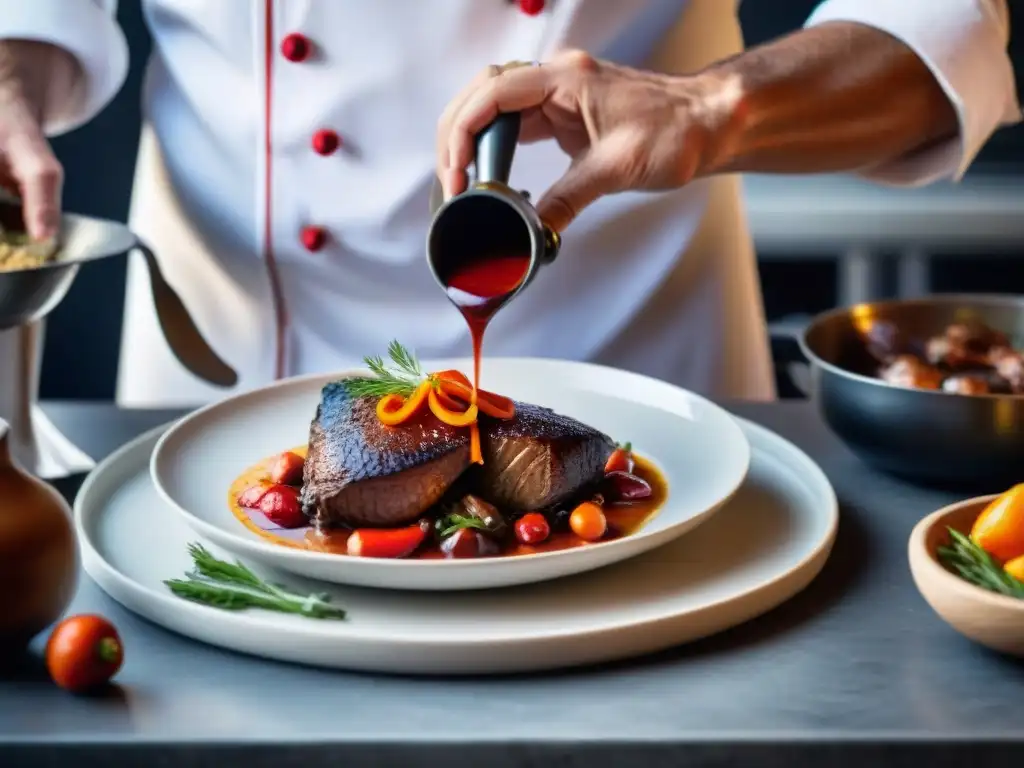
931	437
29	294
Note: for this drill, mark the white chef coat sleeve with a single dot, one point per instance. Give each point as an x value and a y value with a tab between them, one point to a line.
964	44
88	30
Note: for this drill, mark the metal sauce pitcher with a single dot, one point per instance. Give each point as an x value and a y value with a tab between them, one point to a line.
489	218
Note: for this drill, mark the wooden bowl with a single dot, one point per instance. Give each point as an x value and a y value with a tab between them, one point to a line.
994	620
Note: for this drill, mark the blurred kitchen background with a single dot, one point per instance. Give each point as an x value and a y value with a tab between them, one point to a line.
821	241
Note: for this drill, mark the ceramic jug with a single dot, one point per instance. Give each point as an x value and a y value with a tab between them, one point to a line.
38	552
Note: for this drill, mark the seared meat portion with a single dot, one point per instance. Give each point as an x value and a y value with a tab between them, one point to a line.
360	472
539	459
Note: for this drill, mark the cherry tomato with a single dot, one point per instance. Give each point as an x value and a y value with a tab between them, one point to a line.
250	497
83	653
287	469
532	528
588	521
621	459
281	505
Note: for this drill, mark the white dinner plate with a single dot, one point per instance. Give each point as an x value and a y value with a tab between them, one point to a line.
699	447
765	545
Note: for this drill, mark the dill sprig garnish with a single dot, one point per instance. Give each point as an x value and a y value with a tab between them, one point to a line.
233	587
400	376
976	565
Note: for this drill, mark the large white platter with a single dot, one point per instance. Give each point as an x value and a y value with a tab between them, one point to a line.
699	447
765	545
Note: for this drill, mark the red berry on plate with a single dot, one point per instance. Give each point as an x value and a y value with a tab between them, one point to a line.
281	505
287	469
532	528
250	497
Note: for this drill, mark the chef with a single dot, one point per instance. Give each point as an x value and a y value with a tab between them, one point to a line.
288	151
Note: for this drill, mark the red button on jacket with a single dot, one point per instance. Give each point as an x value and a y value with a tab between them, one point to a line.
531	7
295	47
326	142
313	238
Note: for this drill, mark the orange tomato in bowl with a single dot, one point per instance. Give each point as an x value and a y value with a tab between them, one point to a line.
1016	568
999	529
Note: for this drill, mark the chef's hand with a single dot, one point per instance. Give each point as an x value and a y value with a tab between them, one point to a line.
840	96
623	128
29	72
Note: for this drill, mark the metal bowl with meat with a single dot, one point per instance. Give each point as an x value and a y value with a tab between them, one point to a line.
929	389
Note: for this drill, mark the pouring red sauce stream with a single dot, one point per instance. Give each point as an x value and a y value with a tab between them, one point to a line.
479	289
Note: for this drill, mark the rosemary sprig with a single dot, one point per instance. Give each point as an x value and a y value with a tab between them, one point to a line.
400	376
405	359
453	522
233	587
975	565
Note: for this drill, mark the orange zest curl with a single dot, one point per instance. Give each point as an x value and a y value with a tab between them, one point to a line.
394	409
448	401
456	385
450	396
453	418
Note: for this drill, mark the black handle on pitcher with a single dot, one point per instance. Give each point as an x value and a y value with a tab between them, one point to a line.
495	148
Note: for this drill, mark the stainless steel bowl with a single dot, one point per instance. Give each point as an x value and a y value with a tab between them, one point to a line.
931	437
27	295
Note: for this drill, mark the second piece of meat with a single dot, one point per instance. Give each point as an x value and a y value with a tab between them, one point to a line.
539	459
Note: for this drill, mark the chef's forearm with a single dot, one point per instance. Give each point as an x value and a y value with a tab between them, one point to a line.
38	75
837	97
88	38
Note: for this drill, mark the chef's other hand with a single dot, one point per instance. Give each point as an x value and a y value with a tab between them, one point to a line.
27	165
623	128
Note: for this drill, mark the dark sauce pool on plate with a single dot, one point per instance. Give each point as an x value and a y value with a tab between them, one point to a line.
623	519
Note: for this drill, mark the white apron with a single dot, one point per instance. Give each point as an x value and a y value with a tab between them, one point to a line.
661	284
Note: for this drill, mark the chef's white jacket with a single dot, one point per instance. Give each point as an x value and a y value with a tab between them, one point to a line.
288	150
